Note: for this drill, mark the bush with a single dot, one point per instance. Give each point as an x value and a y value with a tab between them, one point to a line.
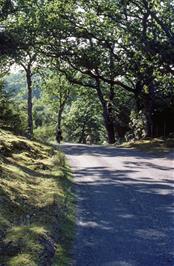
45	133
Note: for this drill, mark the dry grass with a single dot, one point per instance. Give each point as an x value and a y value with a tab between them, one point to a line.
36	203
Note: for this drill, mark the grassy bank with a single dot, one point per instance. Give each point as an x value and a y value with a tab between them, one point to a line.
151	145
36	203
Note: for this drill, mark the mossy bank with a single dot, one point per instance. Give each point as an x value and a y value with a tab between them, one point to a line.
36	203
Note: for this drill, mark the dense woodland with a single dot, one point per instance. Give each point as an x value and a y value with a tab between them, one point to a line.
99	67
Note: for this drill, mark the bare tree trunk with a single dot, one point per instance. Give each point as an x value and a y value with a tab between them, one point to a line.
144	102
59	118
82	137
110	130
137	94
148	111
62	102
108	120
30	104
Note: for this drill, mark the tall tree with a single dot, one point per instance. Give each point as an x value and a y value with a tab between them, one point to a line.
22	27
108	44
57	93
76	40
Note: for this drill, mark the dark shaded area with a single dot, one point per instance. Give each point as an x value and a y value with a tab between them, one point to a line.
109	151
8	45
163	122
6	8
123	219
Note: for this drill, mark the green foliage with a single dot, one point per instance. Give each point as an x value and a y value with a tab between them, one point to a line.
137	125
84	117
10	115
101	45
56	90
15	85
45	133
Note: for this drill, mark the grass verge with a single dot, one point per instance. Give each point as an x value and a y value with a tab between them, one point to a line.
36	203
151	145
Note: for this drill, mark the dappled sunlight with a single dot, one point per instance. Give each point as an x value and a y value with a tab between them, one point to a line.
147	164
36	202
111	151
91	224
125	204
119	263
150	234
166	190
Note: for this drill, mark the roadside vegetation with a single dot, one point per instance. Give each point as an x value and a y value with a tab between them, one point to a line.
36	203
151	145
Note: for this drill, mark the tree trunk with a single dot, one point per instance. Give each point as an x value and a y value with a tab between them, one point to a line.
82	137
30	104
59	122
59	118
137	94
148	107
110	129
148	110
144	102
108	121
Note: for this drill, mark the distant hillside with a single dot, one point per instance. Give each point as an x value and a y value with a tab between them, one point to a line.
36	209
15	83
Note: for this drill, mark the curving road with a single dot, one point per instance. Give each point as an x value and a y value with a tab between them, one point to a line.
125	213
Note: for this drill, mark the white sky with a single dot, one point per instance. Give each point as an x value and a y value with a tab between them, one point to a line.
15	68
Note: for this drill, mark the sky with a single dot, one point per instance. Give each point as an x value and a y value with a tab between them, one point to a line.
15	68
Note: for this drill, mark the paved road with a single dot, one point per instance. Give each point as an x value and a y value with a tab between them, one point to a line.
125	211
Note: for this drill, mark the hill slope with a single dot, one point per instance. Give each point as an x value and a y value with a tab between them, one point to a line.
36	203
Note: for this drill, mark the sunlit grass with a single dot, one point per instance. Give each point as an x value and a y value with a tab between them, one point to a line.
36	203
151	145
22	260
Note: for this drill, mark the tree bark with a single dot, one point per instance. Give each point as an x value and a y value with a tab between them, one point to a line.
82	137
110	130
30	104
62	102
148	111
137	94
108	120
59	118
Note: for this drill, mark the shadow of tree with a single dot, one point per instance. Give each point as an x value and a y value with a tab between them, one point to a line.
125	218
147	164
109	151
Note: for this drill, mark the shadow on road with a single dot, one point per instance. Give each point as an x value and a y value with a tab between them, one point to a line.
125	217
110	151
129	222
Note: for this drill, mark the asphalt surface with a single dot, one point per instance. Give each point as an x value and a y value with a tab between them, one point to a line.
125	207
